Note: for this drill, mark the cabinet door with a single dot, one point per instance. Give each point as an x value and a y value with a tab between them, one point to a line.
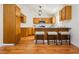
33	30
36	20
17	11
47	20
30	31
68	12
23	18
18	30
63	14
53	20
24	32
9	23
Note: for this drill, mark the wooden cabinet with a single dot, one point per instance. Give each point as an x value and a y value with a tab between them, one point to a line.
66	13
53	20
24	32
11	23
23	18
47	20
27	31
33	31
36	20
63	14
30	31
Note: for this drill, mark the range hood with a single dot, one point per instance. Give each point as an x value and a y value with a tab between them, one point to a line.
42	22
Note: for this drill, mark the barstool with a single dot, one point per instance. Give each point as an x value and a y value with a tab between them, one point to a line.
52	36
39	35
65	35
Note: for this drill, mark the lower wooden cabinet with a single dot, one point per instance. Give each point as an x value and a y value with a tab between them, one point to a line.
27	31
24	32
30	31
33	31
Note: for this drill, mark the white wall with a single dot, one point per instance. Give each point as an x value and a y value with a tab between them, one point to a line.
75	24
31	10
1	23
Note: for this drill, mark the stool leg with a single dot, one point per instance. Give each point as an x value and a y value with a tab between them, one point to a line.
43	41
69	40
48	41
36	42
61	40
56	42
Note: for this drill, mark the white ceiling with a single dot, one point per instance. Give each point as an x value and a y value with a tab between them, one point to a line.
48	9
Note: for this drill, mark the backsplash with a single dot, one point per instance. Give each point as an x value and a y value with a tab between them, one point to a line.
42	25
65	23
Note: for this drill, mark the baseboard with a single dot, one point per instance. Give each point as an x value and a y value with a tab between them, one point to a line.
75	44
1	44
8	44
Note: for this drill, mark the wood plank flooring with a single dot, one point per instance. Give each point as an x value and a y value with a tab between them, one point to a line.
27	46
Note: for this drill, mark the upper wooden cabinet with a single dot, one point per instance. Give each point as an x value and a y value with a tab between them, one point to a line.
11	13
69	12
36	20
17	11
23	18
63	14
47	20
53	20
66	13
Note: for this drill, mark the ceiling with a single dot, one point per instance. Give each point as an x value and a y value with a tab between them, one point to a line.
47	9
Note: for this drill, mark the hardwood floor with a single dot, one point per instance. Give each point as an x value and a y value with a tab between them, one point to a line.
27	46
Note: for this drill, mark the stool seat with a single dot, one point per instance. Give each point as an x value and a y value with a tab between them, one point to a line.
39	33
64	33
52	33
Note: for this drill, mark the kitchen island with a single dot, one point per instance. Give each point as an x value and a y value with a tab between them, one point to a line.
56	29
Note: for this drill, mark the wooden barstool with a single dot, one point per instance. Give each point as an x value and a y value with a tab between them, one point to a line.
65	35
39	35
52	36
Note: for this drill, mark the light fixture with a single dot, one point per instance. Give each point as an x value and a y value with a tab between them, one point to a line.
40	6
40	11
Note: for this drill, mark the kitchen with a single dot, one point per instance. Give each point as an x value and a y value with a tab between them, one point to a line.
54	21
41	28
